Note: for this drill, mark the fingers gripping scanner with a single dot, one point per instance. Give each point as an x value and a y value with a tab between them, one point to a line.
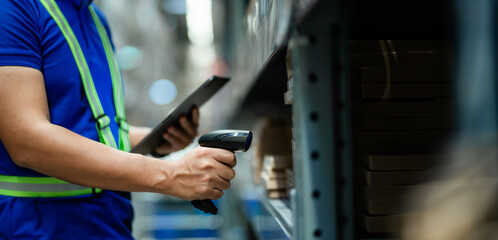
232	140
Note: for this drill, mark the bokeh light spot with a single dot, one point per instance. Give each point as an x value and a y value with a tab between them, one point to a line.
129	57
162	92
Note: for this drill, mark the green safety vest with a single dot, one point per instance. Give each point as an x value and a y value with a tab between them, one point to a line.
51	187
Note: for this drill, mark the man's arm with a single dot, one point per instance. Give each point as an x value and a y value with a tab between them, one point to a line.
137	134
176	138
33	142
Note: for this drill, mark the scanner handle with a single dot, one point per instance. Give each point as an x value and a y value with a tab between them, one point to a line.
205	205
232	140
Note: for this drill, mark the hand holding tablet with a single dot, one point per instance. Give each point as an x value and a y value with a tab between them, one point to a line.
195	100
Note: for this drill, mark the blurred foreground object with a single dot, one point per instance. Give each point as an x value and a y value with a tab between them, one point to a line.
463	205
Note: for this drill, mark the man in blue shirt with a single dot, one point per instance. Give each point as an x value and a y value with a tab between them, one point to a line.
47	130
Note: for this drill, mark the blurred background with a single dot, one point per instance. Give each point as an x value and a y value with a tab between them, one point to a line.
372	119
166	49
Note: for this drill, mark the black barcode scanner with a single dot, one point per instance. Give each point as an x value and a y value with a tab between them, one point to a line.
232	140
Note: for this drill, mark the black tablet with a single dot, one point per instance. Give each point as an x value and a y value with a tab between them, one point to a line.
195	99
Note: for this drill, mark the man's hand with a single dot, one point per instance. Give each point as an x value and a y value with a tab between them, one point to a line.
179	138
202	174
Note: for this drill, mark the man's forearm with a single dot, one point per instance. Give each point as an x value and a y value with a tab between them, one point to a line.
137	134
32	141
60	153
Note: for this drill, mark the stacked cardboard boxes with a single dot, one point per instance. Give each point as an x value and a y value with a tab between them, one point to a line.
274	175
273	137
402	119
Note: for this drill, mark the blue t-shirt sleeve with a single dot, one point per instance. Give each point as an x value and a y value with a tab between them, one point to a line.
19	35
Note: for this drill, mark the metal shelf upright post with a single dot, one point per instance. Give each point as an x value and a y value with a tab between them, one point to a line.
476	74
322	204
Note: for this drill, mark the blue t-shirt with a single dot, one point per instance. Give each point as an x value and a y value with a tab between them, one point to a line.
30	37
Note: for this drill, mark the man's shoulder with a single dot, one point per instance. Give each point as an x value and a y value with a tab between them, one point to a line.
20	33
24	4
26	8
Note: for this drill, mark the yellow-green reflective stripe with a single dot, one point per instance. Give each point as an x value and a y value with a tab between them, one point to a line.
17	186
31	180
105	134
115	74
66	30
124	141
113	66
48	194
37	187
124	144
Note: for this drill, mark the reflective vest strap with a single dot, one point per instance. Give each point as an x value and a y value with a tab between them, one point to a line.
50	187
30	180
16	186
117	84
103	130
74	193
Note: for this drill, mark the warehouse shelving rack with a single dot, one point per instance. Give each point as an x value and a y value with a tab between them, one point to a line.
322	160
318	33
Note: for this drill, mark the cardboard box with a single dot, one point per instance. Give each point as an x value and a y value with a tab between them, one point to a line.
395	178
403	74
384	206
376	124
402	162
278	193
433	109
416	58
399	148
373	53
390	192
387	199
407	91
405	45
277	161
273	173
421	136
382	224
273	137
273	183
